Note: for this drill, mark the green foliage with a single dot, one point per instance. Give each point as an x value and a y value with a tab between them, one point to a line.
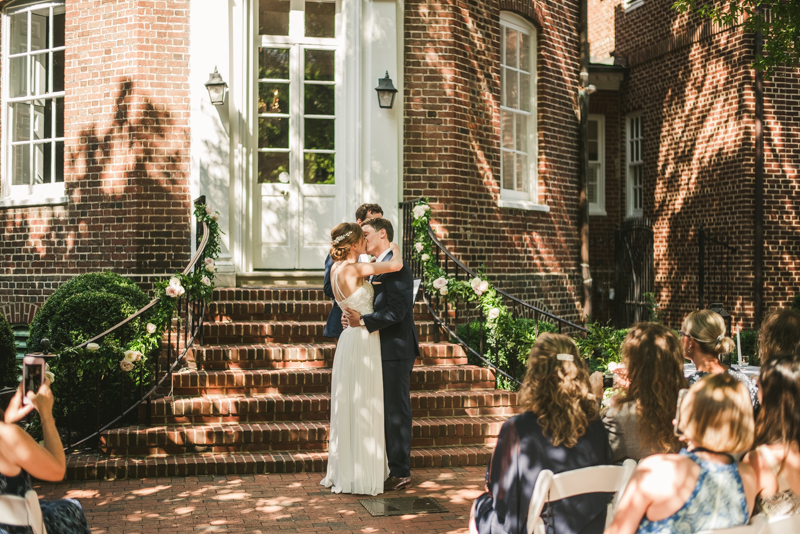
652	307
795	304
9	371
749	348
777	20
601	345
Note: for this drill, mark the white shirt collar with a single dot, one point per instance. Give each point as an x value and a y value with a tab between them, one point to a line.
383	254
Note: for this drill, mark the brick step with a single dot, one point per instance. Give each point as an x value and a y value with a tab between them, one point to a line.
276	310
284	436
192	382
256	332
276	355
269	294
94	467
264	408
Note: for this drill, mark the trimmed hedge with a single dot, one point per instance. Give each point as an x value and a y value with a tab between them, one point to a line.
9	371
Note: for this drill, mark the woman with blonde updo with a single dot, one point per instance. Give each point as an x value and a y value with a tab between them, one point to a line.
704	339
357	460
560	430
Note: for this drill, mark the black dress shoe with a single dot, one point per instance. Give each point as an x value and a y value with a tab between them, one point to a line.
396	483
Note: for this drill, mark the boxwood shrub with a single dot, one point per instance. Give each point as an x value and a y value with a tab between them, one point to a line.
9	370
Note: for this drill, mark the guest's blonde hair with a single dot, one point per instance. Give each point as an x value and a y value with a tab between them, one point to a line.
558	390
717	414
707	328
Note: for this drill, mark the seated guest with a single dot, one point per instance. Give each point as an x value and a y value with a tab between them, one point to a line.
779	334
560	430
704	340
639	421
776	459
21	457
702	487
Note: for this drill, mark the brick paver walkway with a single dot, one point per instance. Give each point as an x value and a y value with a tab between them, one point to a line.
263	503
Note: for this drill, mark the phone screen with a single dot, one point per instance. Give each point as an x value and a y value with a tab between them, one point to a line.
33	378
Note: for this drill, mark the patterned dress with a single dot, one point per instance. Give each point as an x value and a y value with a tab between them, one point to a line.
738	375
60	517
718	501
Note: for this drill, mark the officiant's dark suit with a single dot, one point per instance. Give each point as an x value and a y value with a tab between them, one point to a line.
333	327
394	318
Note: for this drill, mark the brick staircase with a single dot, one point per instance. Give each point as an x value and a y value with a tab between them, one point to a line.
256	398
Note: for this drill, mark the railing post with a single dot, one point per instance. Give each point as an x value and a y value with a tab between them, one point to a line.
702	269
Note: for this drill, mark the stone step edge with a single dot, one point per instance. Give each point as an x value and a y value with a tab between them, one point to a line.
94	467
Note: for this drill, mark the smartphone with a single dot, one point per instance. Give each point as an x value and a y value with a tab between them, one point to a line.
32	376
608	380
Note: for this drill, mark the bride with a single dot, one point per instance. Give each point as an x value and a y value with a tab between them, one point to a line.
356	444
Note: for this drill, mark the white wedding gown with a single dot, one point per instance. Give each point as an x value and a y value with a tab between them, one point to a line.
357	460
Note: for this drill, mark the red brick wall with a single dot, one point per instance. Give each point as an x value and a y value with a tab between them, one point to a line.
126	154
452	142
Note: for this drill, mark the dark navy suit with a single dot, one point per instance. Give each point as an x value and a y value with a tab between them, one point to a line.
394	318
333	328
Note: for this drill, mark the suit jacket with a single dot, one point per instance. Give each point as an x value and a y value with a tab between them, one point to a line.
394	314
333	328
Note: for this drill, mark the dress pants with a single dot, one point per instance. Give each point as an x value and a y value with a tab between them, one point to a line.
397	415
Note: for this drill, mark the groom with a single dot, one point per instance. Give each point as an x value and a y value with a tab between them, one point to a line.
394	318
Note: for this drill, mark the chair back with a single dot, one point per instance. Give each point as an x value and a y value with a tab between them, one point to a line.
789	524
597	479
22	512
755	526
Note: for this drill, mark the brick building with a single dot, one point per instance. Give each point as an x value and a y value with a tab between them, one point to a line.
109	133
679	109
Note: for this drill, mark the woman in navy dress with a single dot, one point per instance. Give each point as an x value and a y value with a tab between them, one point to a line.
560	430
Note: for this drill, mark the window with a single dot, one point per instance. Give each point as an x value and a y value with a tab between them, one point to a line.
596	180
298	68
634	164
33	96
518	115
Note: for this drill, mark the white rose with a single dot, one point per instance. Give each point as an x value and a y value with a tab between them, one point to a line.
474	282
126	365
419	211
440	282
215	217
181	291
174	282
479	293
130	356
443	291
419	247
92	347
425	257
483	286
172	291
48	374
209	209
209	263
151	328
206	281
494	313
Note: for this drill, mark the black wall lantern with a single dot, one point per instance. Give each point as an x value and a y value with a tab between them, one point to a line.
386	92
216	88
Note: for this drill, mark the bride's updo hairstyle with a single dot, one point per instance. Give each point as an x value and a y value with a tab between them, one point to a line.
343	238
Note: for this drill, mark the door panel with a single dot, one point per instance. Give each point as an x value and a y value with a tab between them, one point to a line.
320	216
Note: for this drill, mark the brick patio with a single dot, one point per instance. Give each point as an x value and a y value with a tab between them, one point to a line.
263	503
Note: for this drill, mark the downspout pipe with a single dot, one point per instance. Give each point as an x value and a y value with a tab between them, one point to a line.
758	212
583	151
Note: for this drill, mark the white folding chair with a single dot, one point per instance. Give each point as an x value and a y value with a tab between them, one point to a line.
755	527
597	479
789	524
22	512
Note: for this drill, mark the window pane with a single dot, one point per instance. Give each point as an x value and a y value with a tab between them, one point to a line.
320	65
273	17
512	89
21	164
319	169
594	152
41	162
593	129
591	186
522	172
273	63
271	165
20	122
507	129
522	133
58	71
594	140
273	97
320	19
58	30
39	64
59	161
273	133
39	29
18	77
320	99
525	52
44	124
525	92
508	170
59	117
319	134
511	47
19	33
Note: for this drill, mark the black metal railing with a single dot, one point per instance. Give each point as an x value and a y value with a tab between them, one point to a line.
714	275
187	326
456	317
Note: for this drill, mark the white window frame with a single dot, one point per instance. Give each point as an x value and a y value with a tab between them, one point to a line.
25	194
509	198
634	163
630	5
599	206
